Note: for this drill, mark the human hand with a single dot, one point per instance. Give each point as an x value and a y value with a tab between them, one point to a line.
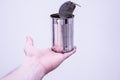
46	58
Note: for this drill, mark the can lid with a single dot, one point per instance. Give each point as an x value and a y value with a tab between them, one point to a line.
66	9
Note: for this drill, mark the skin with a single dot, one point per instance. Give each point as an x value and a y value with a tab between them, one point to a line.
37	62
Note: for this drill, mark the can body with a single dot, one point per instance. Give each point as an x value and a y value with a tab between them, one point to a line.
62	33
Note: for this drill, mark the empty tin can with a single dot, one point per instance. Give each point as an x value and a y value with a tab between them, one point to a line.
62	33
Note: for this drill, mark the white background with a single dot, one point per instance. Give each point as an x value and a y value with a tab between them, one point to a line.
97	37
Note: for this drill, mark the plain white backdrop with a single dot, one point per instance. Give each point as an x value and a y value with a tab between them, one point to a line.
97	37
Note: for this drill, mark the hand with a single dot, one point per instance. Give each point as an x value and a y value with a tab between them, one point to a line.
46	58
37	63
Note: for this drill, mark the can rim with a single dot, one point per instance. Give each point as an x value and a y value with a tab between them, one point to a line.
56	15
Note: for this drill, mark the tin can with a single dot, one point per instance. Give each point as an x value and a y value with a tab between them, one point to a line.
62	33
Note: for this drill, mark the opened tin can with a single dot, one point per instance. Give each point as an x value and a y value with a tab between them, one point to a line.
62	33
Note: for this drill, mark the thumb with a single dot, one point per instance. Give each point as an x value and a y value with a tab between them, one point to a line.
29	41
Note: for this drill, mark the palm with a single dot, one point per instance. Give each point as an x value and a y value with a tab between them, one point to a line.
47	58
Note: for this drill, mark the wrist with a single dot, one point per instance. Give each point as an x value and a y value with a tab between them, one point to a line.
32	69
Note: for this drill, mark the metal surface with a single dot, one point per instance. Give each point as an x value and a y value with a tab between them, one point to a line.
62	33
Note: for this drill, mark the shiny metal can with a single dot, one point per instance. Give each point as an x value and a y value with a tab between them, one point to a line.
62	33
